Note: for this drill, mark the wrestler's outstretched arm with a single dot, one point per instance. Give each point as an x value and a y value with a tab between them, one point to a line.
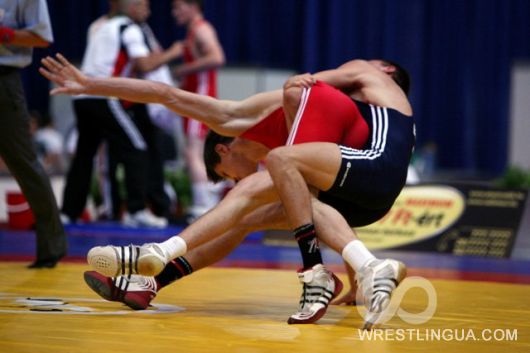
226	117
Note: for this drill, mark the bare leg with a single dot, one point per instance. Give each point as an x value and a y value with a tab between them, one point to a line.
293	168
250	193
266	217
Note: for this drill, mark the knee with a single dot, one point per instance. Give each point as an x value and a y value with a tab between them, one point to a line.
292	97
278	158
244	189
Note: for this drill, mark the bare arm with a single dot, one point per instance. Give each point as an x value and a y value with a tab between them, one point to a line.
229	118
346	77
155	60
24	38
211	56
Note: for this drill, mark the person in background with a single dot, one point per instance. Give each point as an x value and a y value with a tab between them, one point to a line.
49	142
25	24
202	54
116	47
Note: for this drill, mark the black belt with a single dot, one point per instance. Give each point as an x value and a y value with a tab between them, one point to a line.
5	70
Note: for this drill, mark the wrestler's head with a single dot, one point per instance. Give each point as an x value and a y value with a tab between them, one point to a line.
226	158
184	11
394	70
137	10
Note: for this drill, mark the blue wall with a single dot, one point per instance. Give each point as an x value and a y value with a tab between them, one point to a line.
459	54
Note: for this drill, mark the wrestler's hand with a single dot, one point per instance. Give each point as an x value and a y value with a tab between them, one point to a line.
61	72
303	81
176	50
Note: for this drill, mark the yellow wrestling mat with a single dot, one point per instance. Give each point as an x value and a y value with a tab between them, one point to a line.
245	310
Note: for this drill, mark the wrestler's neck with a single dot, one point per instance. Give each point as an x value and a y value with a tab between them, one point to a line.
195	20
252	150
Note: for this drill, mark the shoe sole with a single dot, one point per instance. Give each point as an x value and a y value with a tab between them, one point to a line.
101	288
370	322
318	315
105	291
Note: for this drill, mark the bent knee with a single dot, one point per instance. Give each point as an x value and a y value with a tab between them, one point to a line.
278	157
292	97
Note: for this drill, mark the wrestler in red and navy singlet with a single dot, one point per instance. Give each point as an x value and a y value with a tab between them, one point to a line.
376	145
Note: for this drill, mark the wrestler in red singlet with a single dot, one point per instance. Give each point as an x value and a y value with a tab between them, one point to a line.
325	115
202	82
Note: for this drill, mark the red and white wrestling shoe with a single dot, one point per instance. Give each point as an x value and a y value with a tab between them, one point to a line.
135	291
320	287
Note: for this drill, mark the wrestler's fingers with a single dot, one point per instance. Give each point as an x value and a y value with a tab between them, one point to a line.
62	59
50	76
52	64
59	90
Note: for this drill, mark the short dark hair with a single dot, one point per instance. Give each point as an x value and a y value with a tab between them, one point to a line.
400	76
210	155
197	2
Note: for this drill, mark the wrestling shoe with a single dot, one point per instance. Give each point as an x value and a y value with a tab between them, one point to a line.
377	280
320	287
135	291
113	261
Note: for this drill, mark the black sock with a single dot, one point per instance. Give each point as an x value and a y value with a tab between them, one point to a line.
308	243
174	270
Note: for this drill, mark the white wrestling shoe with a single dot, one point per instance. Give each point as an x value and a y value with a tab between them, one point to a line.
320	287
377	280
113	261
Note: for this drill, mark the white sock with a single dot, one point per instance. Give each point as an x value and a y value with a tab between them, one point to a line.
356	254
174	247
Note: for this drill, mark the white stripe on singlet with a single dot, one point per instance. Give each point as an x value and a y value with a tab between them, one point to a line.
379	137
127	124
298	116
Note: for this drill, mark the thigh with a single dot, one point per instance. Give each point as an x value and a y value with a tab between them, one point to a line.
257	189
318	162
269	216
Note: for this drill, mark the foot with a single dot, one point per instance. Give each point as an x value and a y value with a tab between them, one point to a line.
113	261
135	291
46	263
144	218
377	280
320	287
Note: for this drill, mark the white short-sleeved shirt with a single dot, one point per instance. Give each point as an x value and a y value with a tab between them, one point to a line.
112	48
30	15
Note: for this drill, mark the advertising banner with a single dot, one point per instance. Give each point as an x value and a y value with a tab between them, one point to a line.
460	219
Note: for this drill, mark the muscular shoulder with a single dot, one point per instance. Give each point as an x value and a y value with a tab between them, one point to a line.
357	64
205	32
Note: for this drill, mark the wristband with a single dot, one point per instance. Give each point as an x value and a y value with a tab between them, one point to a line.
6	35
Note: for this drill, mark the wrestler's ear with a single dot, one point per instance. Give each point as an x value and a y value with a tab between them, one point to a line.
222	149
389	69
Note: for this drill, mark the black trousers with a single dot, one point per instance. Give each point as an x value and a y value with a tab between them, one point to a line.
128	135
16	148
156	196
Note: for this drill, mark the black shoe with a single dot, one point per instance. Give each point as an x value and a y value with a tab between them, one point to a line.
49	263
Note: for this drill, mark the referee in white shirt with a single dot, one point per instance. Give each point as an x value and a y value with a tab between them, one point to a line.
25	24
116	48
